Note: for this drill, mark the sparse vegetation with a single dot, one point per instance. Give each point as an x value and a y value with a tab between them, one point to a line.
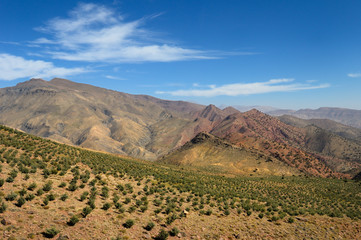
149	226
174	231
50	232
129	223
3	206
73	220
162	235
21	201
126	188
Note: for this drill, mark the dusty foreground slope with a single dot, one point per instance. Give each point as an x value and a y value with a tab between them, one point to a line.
51	190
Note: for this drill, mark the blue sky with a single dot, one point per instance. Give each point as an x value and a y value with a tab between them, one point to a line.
286	54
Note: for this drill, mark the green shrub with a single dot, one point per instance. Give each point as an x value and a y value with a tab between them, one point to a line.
91	203
208	212
13	174
2	181
50	197
73	220
11	196
115	199
106	206
10	179
149	226
3	207
63	197
48	186
171	219
105	192
39	192
72	187
50	232
84	195
32	186
143	208
86	211
22	192
132	209
21	201
162	235
129	223
29	197
174	232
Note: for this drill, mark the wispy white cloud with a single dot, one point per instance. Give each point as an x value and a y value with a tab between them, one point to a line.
9	43
114	77
14	67
97	33
273	85
354	75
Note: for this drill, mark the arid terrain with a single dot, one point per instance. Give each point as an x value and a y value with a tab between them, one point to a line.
51	190
155	119
149	128
109	165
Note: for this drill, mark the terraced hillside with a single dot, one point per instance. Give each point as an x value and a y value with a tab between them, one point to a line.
51	190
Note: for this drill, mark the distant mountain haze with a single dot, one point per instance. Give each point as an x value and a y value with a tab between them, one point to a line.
350	117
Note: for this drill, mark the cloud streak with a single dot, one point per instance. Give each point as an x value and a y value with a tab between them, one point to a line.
273	85
96	33
14	67
354	75
114	77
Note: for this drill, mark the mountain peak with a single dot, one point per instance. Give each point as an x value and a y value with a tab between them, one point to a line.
212	107
212	113
230	110
202	136
32	82
60	80
254	112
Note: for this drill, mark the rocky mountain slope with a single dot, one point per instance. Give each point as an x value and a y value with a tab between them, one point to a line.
148	128
214	154
256	130
96	118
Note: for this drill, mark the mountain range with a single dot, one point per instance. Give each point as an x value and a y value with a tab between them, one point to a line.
350	117
177	132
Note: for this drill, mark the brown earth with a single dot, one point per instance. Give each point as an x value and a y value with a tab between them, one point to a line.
148	128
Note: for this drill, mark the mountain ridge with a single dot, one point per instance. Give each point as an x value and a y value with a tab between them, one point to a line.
146	127
351	117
